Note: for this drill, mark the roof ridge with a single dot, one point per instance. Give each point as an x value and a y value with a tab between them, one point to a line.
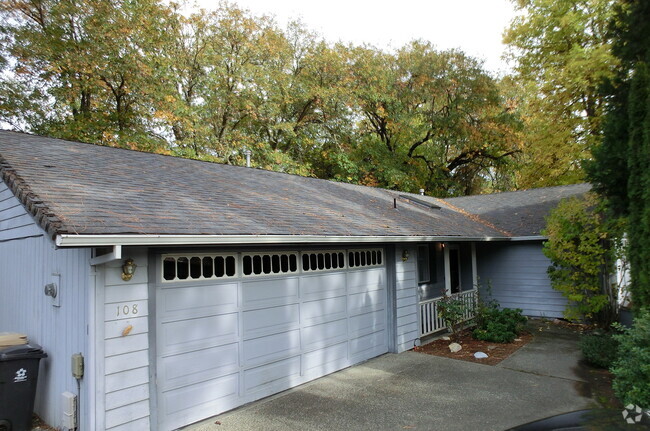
33	204
517	191
474	217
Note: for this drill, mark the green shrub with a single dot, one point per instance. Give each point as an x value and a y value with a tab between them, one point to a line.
599	349
451	309
632	368
583	246
498	325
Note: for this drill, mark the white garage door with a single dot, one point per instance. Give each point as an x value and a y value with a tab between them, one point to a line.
235	327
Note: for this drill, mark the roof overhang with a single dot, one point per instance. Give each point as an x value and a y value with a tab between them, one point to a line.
71	240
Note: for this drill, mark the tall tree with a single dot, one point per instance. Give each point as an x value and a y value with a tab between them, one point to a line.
562	52
87	68
434	119
621	169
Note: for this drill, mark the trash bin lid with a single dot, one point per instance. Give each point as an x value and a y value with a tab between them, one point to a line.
24	351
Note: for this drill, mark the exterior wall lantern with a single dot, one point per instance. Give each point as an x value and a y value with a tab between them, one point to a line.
128	269
405	255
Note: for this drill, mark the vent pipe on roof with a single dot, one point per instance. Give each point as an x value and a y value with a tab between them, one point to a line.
421	192
248	153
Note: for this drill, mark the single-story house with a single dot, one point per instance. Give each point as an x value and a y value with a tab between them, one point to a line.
191	288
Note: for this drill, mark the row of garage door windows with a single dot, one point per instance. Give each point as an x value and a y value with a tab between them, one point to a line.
178	267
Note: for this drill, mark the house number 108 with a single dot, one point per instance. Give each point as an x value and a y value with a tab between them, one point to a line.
125	310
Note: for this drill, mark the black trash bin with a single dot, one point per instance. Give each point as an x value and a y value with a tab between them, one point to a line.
18	377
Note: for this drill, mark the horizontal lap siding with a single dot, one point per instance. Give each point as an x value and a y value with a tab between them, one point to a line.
27	265
517	273
15	222
126	345
407	300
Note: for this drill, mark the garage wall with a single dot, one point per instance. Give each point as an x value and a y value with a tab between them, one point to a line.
406	295
29	261
517	272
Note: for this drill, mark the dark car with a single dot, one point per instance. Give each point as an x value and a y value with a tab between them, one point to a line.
590	420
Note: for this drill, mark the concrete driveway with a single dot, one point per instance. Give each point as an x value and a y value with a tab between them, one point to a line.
423	392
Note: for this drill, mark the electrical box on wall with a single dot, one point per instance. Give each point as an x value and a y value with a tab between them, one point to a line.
69	404
77	366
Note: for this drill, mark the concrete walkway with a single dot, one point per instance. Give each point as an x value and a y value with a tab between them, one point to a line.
423	392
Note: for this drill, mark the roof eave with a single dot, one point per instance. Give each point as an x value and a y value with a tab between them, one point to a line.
73	240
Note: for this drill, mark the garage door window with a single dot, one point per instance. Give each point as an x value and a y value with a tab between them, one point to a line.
322	260
198	267
269	264
361	258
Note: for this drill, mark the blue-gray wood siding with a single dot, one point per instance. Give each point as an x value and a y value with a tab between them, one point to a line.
123	378
517	273
29	261
15	222
406	296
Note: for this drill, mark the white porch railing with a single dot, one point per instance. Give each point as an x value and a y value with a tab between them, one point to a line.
430	320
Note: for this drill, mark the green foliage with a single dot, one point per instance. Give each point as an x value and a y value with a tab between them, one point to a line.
451	309
143	74
599	349
581	247
638	191
621	167
562	50
632	368
499	325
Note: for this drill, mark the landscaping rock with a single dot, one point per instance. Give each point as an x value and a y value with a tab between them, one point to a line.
446	338
455	347
480	355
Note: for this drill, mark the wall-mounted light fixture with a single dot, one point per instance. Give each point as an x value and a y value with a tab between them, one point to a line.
128	269
405	255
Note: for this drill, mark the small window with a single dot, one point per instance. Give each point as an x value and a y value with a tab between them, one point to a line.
220	266
426	263
182	268
423	262
169	268
195	267
230	266
207	267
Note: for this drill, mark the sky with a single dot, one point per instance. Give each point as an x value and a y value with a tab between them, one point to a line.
474	26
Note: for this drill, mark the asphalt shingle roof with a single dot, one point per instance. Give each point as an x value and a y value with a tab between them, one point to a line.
521	213
78	188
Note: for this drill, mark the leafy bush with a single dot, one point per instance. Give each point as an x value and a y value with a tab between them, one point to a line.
632	368
498	325
599	349
451	310
583	246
